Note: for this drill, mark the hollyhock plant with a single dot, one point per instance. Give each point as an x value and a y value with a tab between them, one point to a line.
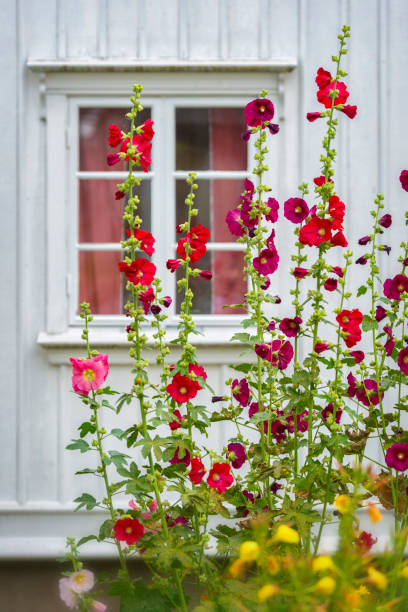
339	239
143	149
336	211
145	239
89	374
236	454
115	136
389	345
330	284
220	477
267	262
240	391
368	394
182	388
380	313
395	287
403	360
173	264
320	347
139	272
364	240
259	112
147	297
176	459
178	420
128	530
404	179
281	353
290	327
329	410
273	206
324	97
313	116
348	109
396	456
198	249
81	582
295	210
385	221
302	423
233	220
199	372
67	595
300	272
315	232
323	78
358	356
197	471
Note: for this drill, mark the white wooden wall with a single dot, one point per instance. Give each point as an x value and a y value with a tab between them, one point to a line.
38	411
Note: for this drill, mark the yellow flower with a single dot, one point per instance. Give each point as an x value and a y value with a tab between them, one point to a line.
249	551
273	565
377	578
352	599
404	572
238	568
322	563
374	513
363	591
266	592
325	586
286	534
342	503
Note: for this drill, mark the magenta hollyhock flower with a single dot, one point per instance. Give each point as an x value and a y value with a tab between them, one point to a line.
397	456
403	360
173	264
338	270
273	206
302	423
220	477
330	284
266	284
247	217
394	287
404	179
385	221
281	353
270	241
240	391
112	159
206	274
319	347
275	486
246	135
236	454
352	387
89	374
67	595
300	272
180	520
290	327
271	325
98	606
329	409
259	111
357	355
364	240
233	220
380	313
263	351
267	262
313	116
177	459
368	393
295	210
273	128
389	345
81	582
349	110
166	301
277	427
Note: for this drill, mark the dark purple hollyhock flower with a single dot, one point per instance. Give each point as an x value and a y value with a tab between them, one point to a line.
166	301
380	313
362	260
281	354
263	351
368	393
313	116
248	496
119	195
404	179
319	347
397	456
295	210
275	486
394	287
352	388
240	391
266	284
177	459
180	520
405	262
385	220
217	398
330	284
364	240
267	262
246	135
329	409
273	128
277	299
233	220
276	427
236	454
290	327
259	111
358	356
271	325
389	345
386	248
273	206
403	360
155	309
302	423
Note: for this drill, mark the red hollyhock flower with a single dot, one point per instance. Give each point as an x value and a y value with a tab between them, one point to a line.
300	272
198	249
177	421
347	318
259	111
273	206
182	388
236	454
177	459
339	239
145	239
267	262
115	136
324	97
233	220
128	530
329	409
337	270
143	149
336	211
295	210
397	456
389	345
206	274
403	360
349	111
197	471
353	336
395	287
404	179
147	297
112	159
330	284
199	371
146	129
365	541
290	327
319	347
139	272
313	116
119	195
220	477
358	356
240	391
368	394
172	264
316	231
323	78
200	233
385	221
320	180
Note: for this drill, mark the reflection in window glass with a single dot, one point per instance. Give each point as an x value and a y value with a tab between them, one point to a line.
100	282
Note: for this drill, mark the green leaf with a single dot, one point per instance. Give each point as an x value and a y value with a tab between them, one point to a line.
86	428
86	500
118	433
81	445
243	367
105	530
368	323
86	539
119	459
362	290
241	337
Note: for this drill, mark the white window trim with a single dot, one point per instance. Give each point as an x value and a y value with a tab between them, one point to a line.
62	92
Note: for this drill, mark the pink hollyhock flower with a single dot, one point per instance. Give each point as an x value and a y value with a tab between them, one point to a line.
236	454
364	240
281	353
349	110
385	221
81	582
177	420
145	239
323	78
319	347
300	272
89	374
389	345
67	595
295	210
139	272
337	270
206	274
258	112
273	206
249	219
397	456
395	287
112	159
119	195
290	327
313	116
352	387
233	220
240	391
324	97
176	459
404	179
368	393
329	409
132	505
147	297
153	505
316	231
128	530
380	313
339	239
302	423
182	388
220	477
357	355
403	360
115	136
267	262
197	471
330	284
173	264
98	606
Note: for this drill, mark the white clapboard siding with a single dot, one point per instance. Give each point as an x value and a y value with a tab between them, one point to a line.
39	413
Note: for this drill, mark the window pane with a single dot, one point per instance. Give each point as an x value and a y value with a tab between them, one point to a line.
93	136
214	198
100	282
209	139
226	287
100	215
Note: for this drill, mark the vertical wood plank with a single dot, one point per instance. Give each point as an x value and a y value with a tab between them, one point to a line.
123	21
203	29
282	27
161	25
243	29
35	24
82	23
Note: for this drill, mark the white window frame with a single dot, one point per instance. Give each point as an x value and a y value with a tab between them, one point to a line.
64	94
